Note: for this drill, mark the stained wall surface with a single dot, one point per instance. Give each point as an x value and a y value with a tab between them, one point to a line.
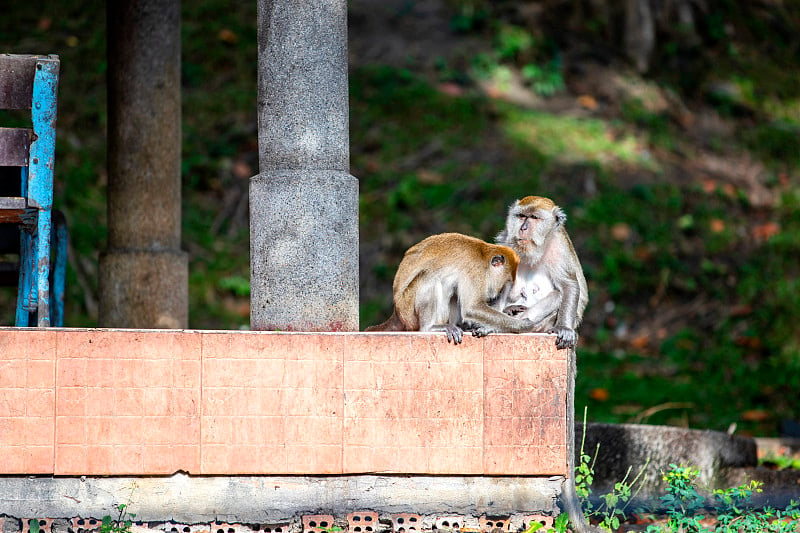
154	402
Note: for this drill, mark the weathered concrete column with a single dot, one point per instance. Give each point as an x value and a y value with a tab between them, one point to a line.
304	202
143	272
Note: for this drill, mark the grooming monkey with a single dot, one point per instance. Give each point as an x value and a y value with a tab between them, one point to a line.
449	279
550	289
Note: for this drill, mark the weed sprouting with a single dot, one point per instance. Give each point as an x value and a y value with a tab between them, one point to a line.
612	511
122	524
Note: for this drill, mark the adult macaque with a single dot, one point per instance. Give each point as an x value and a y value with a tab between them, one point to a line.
550	289
451	279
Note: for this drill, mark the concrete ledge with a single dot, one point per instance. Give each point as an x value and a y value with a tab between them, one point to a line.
155	402
188	499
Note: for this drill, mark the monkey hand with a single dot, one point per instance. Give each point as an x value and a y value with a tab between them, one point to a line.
454	334
514	310
566	337
482	331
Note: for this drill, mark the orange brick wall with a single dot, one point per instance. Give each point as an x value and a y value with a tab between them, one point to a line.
136	402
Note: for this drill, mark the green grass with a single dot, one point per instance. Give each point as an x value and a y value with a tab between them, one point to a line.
563	139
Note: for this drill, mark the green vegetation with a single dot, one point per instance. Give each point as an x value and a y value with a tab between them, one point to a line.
681	185
730	508
122	524
682	508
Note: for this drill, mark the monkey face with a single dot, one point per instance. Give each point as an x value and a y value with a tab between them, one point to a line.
530	227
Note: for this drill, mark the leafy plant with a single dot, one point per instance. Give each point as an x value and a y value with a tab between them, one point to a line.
33	525
612	511
780	462
560	525
122	524
238	285
682	499
546	79
731	508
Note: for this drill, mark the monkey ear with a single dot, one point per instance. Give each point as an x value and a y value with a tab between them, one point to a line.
498	260
561	216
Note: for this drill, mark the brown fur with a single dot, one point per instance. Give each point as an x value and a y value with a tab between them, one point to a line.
448	279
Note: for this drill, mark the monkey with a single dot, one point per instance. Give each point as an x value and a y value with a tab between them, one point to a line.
550	288
450	279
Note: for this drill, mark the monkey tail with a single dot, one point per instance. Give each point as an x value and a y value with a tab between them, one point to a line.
392	324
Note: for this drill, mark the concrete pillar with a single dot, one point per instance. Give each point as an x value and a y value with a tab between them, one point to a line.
304	202
143	272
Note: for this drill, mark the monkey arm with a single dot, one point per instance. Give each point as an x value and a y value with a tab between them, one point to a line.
484	320
568	311
567	319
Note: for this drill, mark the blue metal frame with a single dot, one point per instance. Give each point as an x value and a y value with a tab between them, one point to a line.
37	187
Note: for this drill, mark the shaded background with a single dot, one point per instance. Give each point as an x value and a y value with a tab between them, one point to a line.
668	131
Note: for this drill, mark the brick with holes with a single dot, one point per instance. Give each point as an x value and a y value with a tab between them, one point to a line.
406	523
85	525
283	527
546	521
362	522
494	524
449	523
317	523
224	527
45	525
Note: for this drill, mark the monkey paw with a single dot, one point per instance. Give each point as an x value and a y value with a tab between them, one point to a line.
454	334
514	310
565	337
482	331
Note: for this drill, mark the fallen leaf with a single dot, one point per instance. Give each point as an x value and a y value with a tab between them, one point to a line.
620	231
642	253
450	89
372	165
729	190
763	232
587	101
429	177
227	36
717	225
242	170
755	415
599	394
753	343
640	342
494	92
741	310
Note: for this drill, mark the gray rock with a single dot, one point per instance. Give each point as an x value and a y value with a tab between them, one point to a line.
651	449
